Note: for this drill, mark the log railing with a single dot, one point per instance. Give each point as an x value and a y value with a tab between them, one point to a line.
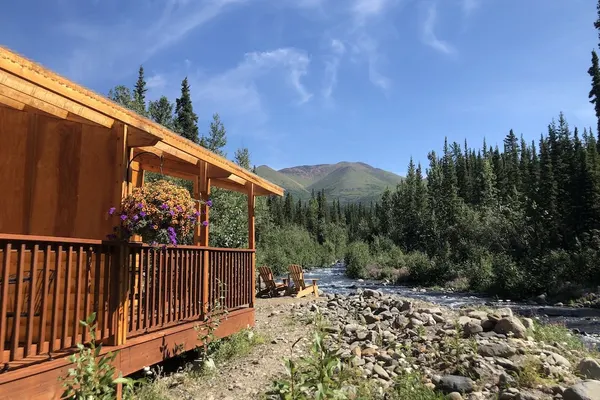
48	284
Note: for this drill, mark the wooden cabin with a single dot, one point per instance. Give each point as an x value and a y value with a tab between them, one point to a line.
67	155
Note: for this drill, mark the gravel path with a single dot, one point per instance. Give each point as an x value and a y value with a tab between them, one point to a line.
250	376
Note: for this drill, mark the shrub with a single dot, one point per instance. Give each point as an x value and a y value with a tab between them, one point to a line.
357	257
422	269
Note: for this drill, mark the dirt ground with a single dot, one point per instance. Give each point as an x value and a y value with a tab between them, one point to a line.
248	377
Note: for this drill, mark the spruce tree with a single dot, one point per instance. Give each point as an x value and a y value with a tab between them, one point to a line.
594	95
139	94
186	121
161	111
217	136
121	95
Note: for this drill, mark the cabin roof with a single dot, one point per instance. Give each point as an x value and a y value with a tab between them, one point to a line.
28	86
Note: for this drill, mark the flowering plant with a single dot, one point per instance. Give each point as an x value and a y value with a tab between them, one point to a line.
161	212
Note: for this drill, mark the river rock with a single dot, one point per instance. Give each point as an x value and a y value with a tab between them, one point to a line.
454	396
496	350
510	325
557	359
381	372
528	323
455	383
589	368
471	328
585	390
371	293
480	315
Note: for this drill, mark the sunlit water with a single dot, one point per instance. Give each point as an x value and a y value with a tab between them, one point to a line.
334	280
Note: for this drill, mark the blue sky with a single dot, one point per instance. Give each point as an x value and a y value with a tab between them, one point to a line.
322	81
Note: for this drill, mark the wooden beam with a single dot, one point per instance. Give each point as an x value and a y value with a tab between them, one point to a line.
237	179
33	102
166	171
167	163
251	239
138	138
12	103
39	93
225	184
216	172
182	155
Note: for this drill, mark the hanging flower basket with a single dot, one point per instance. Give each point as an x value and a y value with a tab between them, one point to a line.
159	213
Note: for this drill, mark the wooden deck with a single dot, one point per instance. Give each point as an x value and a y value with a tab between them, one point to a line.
147	301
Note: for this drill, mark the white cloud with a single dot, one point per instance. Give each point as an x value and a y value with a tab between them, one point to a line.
332	64
468	6
236	91
116	48
364	9
369	47
429	36
156	81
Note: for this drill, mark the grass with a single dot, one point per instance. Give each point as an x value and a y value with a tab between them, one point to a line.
530	373
410	386
551	333
237	345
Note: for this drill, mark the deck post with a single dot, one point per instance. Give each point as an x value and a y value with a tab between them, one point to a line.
202	232
251	240
119	273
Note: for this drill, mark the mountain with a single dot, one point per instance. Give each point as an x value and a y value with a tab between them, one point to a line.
347	181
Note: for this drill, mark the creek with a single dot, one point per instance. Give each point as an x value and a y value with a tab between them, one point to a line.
586	320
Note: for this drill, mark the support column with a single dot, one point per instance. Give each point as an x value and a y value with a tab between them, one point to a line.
201	235
120	271
251	240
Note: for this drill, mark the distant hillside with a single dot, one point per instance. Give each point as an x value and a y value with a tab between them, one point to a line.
347	181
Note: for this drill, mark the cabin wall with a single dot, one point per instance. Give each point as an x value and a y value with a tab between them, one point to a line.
58	176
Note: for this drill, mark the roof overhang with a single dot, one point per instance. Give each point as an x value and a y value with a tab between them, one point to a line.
27	86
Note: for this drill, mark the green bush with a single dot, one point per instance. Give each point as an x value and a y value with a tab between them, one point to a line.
357	257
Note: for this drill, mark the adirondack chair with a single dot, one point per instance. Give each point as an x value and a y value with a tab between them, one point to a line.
300	288
272	288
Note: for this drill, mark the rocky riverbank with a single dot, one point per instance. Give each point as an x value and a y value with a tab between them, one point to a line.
468	353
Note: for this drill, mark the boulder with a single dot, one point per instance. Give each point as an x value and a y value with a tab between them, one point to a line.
496	350
557	359
455	383
471	328
381	372
371	293
510	325
585	390
589	368
528	323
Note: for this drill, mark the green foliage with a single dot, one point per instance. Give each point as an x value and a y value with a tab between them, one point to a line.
92	376
556	333
161	111
357	257
186	120
317	376
410	386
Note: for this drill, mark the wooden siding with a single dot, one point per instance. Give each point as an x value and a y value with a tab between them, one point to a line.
59	174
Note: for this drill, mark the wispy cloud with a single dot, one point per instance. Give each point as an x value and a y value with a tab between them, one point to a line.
117	47
469	6
332	64
429	36
370	48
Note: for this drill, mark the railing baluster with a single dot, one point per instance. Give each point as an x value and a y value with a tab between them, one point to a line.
132	263
44	304
31	303
140	288
4	298
67	298
54	326
18	299
87	286
77	307
176	285
106	317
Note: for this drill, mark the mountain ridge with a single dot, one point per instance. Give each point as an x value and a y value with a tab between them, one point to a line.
350	182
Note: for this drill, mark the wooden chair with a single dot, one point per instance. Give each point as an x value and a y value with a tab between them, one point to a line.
300	288
272	288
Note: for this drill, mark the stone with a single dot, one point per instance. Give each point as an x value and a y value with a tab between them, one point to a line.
369	351
414	322
371	319
557	359
510	325
488	325
381	372
528	323
585	390
480	315
455	383
496	350
454	396
589	368
371	293
400	322
471	328
463	320
438	318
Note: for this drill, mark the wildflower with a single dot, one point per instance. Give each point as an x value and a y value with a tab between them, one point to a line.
143	214
135	217
140	205
123	217
209	203
111	210
164	206
204	223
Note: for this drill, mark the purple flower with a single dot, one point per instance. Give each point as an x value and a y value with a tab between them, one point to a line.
143	214
140	205
171	212
197	214
111	210
179	208
209	203
135	217
171	230
123	217
164	206
204	223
